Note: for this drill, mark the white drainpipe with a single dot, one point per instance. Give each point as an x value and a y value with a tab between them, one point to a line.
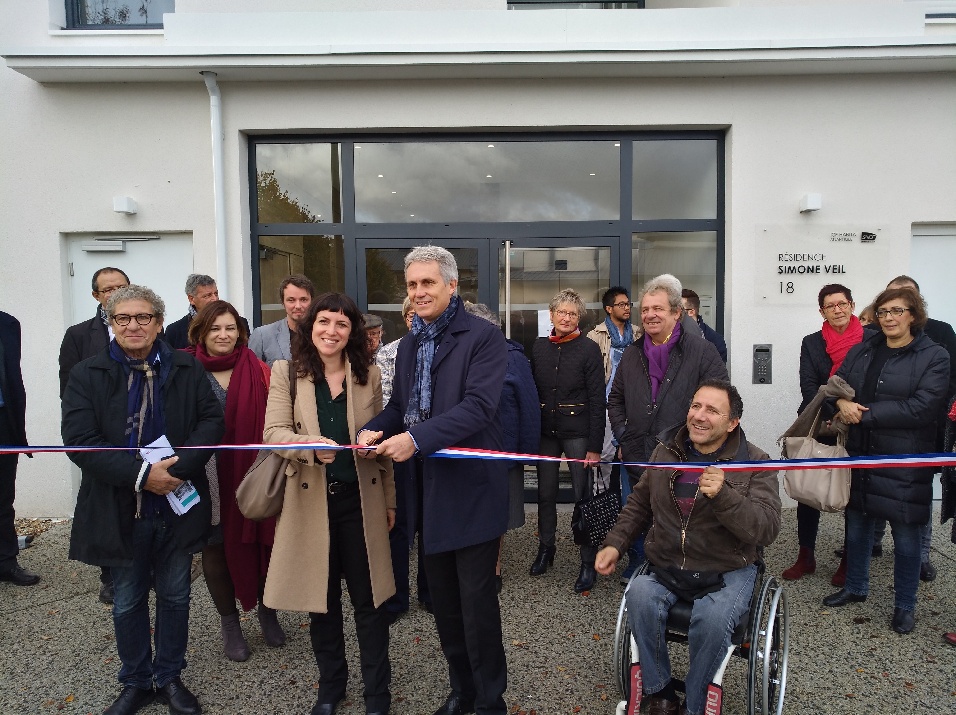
218	182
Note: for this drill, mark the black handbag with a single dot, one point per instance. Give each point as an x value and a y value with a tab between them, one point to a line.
594	516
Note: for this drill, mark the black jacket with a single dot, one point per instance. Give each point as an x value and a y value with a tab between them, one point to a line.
570	381
815	366
635	419
81	341
902	419
714	338
94	414
11	378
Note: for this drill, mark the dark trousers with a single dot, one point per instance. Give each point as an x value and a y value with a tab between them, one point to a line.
348	556
9	546
808	524
400	540
469	623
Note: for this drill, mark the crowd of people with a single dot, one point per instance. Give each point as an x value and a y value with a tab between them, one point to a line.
655	391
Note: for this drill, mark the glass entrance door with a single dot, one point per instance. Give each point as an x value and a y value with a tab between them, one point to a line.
532	271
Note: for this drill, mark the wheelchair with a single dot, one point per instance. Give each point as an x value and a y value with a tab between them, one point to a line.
762	637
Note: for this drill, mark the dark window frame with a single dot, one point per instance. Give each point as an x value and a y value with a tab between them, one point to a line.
620	229
74	20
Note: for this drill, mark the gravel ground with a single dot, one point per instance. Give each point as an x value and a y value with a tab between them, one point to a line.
57	651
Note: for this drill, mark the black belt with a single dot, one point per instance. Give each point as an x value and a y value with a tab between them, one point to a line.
342	487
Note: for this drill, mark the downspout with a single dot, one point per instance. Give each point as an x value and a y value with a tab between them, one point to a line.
218	182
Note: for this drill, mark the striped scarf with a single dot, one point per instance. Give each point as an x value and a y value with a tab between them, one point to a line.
428	335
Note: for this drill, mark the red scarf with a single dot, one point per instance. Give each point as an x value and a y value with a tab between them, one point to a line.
839	344
248	543
566	338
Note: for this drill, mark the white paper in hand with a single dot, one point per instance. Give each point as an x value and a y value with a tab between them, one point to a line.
157	450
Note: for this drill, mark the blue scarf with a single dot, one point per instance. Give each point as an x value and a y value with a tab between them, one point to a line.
618	343
428	334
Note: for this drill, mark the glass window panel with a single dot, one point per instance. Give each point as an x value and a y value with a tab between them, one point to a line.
691	257
537	274
298	183
675	179
120	12
416	182
385	278
320	258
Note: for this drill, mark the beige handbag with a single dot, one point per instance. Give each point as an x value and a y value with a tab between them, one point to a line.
262	489
823	489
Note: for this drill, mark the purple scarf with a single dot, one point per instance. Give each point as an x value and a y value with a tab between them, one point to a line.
657	358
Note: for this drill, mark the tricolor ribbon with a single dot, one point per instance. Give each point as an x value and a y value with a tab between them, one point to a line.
937	459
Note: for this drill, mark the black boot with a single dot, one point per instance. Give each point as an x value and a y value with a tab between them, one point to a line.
586	578
544	559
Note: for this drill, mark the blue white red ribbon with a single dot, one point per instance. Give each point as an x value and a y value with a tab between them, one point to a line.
937	459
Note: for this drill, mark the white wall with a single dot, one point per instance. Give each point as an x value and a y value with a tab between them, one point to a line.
880	148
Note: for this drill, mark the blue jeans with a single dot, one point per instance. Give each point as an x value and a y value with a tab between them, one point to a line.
906	560
153	552
712	622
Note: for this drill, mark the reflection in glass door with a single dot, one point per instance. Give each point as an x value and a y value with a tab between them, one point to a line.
529	277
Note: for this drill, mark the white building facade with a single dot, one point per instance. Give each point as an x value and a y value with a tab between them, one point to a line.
756	149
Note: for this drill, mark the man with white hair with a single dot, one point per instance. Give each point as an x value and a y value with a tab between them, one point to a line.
448	375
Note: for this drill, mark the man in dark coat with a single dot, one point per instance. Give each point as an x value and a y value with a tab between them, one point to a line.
85	340
13	408
448	376
691	302
132	394
201	290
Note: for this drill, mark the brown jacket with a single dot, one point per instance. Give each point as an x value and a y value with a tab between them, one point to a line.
722	533
299	570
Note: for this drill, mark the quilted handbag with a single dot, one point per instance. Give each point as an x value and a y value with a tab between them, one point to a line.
594	516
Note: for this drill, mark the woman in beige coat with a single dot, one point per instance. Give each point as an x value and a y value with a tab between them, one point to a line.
337	510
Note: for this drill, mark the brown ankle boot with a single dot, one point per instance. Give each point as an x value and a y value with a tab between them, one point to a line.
839	578
805	564
271	630
233	642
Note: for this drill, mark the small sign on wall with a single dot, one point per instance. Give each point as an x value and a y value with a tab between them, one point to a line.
794	262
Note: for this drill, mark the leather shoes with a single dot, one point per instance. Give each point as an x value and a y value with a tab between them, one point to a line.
950	638
19	576
661	706
178	698
130	700
455	704
841	598
586	578
927	572
324	708
903	621
544	559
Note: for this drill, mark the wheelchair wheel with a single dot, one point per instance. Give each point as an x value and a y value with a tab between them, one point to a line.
769	645
622	650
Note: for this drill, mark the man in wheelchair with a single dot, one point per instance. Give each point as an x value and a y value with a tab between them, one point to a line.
704	530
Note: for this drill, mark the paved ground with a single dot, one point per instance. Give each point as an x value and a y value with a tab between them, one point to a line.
57	652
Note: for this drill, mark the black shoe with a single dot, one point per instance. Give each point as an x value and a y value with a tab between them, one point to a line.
393	617
106	593
586	578
324	708
455	705
19	576
927	572
544	559
178	698
903	621
843	597
130	700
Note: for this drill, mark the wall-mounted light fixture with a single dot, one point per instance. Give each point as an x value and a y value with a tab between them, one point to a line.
811	202
124	205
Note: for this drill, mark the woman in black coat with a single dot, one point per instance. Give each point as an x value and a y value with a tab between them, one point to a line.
569	375
821	355
900	377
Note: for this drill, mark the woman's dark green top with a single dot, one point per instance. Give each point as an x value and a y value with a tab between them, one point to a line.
334	422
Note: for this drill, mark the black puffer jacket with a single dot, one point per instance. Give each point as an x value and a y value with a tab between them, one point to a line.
635	418
570	381
902	419
815	366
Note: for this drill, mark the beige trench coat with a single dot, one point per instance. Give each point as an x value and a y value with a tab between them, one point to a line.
299	570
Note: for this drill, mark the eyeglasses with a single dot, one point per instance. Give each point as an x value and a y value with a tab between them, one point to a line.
141	319
712	411
895	310
842	305
566	313
624	304
109	291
